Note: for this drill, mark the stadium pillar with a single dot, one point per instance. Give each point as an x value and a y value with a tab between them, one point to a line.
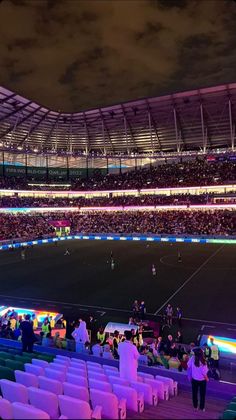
232	128
3	164
87	169
26	167
46	167
67	168
120	167
107	166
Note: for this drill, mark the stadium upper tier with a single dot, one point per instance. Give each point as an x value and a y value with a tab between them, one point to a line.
195	120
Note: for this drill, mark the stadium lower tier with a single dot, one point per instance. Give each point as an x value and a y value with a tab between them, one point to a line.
176	222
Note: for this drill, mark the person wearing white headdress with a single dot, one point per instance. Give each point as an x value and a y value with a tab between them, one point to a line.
80	335
129	356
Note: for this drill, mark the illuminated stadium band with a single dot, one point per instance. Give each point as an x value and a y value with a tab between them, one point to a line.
112	237
197	120
219	189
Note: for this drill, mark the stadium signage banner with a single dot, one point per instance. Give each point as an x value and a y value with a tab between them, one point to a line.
53	173
114	237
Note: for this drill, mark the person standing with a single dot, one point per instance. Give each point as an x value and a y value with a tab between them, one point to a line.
135	309
80	335
197	372
179	315
142	310
129	356
28	336
154	271
215	354
169	315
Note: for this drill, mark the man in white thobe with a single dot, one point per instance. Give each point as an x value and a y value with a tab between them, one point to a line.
129	356
80	335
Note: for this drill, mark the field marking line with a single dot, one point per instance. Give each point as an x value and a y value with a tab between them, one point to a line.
188	279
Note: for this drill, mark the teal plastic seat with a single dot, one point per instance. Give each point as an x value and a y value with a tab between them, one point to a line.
229	415
232	406
22	359
14	364
2	362
7	373
5	355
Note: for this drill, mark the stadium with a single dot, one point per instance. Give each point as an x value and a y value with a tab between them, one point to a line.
117	252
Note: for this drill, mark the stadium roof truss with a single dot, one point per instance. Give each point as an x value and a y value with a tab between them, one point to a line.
200	119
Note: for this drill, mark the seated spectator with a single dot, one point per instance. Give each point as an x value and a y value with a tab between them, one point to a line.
97	349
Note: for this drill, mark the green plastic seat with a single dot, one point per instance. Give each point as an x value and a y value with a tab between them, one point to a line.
233	399
2	362
5	355
14	351
30	355
232	406
22	359
14	364
229	415
47	358
7	373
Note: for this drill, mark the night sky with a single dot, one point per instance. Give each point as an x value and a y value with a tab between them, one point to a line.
73	55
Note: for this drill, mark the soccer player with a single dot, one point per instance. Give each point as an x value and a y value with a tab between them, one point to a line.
67	252
179	257
154	272
23	254
112	264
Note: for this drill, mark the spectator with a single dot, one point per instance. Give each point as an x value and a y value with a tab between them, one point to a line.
197	371
169	315
142	310
135	309
179	338
215	354
80	335
129	355
179	315
115	343
28	337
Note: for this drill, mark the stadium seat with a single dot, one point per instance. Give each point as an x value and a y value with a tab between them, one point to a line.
149	393
58	366
103	386
98	369
134	399
2	362
6	412
111	372
55	374
7	373
13	364
117	380
35	370
4	355
50	385
26	379
60	356
229	415
77	380
14	392
80	372
172	385
44	400
77	409
112	407
97	376
61	362
22	359
75	360
232	406
94	364
26	411
76	391
160	387
41	363
78	366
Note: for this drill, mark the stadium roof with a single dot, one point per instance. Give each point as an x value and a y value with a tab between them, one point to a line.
195	120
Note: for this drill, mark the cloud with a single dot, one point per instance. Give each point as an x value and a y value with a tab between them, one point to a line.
73	55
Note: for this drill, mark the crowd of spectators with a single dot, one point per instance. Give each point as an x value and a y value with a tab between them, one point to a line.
127	200
198	172
177	222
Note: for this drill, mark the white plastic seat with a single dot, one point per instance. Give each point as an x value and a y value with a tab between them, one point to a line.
102	385
149	394
59	356
108	367
134	399
112	407
76	391
77	409
14	392
50	385
97	376
26	411
79	372
62	362
78	366
58	366
112	373
25	378
93	365
35	370
173	385
41	363
162	389
117	380
55	374
44	400
6	412
75	360
98	369
76	380
146	375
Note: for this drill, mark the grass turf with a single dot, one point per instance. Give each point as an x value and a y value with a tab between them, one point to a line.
85	276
